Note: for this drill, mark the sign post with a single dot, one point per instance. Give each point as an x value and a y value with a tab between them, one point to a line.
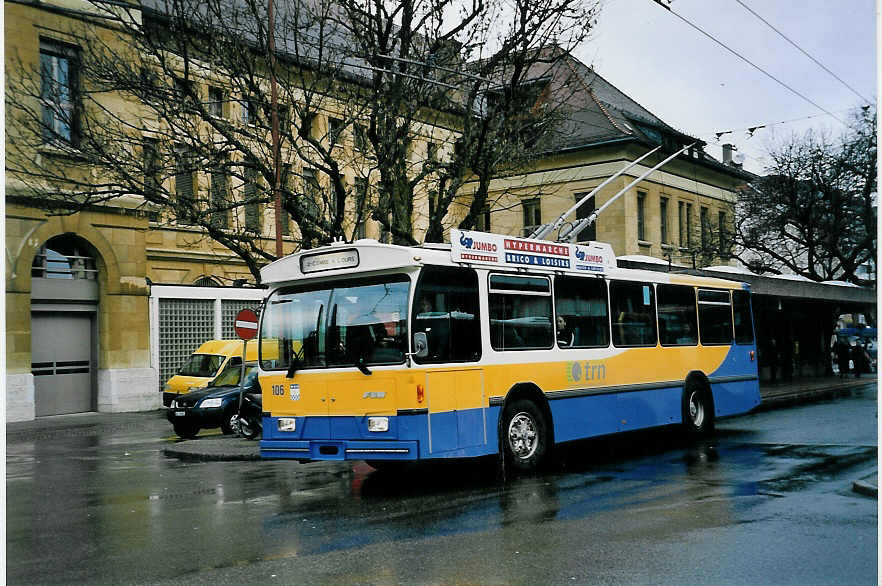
246	328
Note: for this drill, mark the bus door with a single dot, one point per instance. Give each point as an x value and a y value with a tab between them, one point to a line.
457	416
446	310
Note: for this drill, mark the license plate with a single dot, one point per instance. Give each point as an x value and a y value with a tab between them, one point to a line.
180	413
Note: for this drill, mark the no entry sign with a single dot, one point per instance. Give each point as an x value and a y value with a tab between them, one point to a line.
246	324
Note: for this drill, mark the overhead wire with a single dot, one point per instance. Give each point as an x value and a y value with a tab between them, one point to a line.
803	51
749	62
752	129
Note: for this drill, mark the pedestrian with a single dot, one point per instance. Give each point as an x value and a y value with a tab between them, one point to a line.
842	352
772	360
857	358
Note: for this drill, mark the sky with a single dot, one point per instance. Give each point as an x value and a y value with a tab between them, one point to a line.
700	88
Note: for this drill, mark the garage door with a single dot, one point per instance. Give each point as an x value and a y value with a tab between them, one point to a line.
61	361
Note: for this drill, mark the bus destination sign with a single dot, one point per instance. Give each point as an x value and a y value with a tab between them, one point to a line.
328	261
496	249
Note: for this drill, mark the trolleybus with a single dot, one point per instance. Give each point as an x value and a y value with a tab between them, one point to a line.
491	345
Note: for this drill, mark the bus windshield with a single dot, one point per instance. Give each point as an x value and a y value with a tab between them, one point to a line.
356	323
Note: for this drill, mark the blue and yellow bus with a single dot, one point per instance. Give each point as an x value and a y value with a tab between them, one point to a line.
491	344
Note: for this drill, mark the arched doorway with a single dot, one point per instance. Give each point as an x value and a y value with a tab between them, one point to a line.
64	304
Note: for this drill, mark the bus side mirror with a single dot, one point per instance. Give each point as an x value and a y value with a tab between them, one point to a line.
420	345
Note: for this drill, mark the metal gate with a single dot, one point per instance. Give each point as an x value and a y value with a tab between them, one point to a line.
183	317
61	362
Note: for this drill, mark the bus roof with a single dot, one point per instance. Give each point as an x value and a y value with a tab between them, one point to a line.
476	249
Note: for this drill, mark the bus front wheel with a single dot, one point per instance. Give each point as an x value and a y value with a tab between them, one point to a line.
524	435
698	411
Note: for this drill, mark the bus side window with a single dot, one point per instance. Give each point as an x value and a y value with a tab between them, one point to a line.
582	303
714	316
445	307
632	306
743	321
676	315
520	312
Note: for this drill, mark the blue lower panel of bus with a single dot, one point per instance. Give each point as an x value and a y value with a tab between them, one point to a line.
735	397
339	449
454	434
474	432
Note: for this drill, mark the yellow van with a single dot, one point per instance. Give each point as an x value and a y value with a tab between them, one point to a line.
205	364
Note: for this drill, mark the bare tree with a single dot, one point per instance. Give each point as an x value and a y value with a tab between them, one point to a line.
814	212
168	107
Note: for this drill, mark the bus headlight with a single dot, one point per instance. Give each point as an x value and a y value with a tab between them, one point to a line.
287	424
378	424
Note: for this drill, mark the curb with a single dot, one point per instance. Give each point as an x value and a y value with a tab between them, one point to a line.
774	401
214	449
866	486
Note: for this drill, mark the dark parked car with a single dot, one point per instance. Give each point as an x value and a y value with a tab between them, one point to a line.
213	406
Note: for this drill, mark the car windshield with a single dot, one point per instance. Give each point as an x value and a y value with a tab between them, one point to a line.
230	374
204	365
361	322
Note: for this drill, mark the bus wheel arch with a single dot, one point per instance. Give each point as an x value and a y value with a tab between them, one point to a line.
698	409
526	430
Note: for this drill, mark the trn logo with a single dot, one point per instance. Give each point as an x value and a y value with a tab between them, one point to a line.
579	371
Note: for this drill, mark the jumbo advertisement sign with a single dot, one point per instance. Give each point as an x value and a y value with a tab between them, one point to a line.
495	249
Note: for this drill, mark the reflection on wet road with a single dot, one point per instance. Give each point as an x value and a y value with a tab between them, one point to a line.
769	494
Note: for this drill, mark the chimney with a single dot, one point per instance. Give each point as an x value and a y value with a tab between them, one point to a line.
727	153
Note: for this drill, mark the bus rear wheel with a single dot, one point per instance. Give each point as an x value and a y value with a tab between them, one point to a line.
524	435
698	411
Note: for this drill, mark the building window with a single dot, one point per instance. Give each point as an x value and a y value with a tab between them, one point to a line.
252	205
641	215
248	109
312	194
335	129
432	151
65	257
58	96
185	189
285	187
184	90
689	225
220	215
284	119
361	137
151	167
216	102
584	211
663	219
360	188
482	222
721	220
532	215
705	228
307	124
681	221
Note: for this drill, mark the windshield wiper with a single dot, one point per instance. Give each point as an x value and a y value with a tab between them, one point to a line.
360	365
296	364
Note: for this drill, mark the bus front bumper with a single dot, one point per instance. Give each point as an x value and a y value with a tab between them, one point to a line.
339	449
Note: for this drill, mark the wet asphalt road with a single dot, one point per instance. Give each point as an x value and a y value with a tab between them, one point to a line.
768	501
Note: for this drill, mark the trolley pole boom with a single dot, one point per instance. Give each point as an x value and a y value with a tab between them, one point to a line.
546	229
572	234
